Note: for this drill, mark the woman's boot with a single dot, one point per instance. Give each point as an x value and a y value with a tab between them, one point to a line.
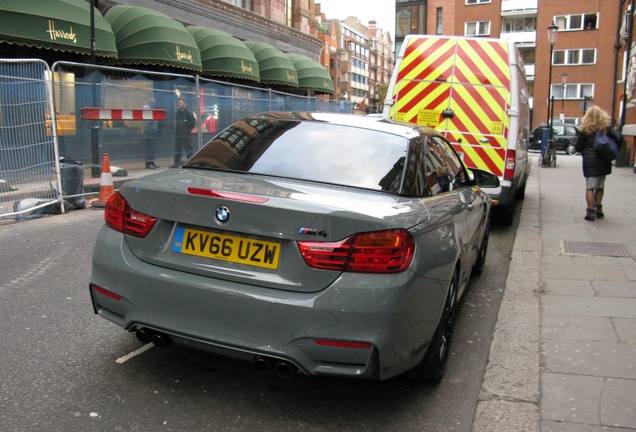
599	211
591	214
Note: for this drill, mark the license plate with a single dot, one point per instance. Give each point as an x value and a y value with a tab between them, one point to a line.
227	248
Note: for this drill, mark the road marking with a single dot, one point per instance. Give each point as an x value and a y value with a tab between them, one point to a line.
128	356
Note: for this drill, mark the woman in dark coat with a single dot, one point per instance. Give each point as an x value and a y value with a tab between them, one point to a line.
594	167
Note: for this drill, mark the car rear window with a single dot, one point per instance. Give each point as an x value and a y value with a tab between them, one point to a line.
315	151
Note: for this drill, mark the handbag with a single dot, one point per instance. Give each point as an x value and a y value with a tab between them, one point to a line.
605	147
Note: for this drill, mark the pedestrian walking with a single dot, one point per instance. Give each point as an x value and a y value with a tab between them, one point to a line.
184	123
595	168
151	133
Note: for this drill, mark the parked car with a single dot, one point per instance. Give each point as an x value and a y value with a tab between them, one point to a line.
325	244
564	136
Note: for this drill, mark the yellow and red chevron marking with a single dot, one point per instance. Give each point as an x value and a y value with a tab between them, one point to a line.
470	77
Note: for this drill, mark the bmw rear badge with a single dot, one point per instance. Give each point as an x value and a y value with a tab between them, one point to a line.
222	214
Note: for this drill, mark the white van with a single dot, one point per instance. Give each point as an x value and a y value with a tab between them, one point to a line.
472	90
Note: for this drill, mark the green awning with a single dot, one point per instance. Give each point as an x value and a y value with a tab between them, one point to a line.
275	67
62	25
311	74
224	55
148	37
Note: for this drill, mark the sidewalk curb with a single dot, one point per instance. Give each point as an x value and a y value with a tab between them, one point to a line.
509	397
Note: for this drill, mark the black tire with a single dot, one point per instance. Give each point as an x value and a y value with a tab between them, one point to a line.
433	366
521	192
570	149
478	267
546	159
505	215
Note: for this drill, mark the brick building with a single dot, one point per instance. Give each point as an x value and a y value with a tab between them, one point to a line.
359	58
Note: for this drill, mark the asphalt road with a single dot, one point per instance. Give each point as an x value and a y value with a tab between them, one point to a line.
65	369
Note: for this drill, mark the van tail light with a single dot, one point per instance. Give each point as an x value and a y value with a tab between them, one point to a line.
511	158
120	217
375	252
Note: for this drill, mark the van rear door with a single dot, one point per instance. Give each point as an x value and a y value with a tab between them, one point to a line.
461	87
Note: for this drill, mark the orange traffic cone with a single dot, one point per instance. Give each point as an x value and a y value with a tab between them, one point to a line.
106	188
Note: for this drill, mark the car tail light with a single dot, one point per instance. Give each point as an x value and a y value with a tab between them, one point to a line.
375	252
120	217
511	160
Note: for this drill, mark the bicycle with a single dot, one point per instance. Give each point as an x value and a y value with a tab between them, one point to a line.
548	155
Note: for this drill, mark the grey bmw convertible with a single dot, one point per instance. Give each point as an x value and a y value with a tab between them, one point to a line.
314	243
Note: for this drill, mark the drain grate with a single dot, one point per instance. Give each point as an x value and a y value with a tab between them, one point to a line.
594	248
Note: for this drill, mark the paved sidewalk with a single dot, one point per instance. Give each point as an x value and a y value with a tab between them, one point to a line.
563	356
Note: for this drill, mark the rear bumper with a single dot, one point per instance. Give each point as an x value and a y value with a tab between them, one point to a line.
396	320
503	195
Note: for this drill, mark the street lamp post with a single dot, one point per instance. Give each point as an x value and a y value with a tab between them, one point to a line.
564	81
95	170
553	30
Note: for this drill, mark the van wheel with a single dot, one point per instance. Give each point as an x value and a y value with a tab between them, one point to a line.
433	366
570	149
505	215
521	192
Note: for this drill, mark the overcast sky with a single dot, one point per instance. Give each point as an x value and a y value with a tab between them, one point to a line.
383	11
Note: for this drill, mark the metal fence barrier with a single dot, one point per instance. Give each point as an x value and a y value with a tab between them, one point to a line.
50	157
29	163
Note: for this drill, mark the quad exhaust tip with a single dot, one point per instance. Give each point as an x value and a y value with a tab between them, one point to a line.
262	364
266	365
143	335
158	339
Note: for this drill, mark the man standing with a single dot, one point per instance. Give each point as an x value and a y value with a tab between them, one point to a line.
184	123
151	132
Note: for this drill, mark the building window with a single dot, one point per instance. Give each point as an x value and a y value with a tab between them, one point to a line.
626	27
527	55
577	22
518	25
289	13
477	28
472	2
438	23
361	79
573	91
574	57
410	19
245	4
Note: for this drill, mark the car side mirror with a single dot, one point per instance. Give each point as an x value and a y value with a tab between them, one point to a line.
484	179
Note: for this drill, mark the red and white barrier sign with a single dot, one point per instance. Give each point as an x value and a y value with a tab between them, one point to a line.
123	114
